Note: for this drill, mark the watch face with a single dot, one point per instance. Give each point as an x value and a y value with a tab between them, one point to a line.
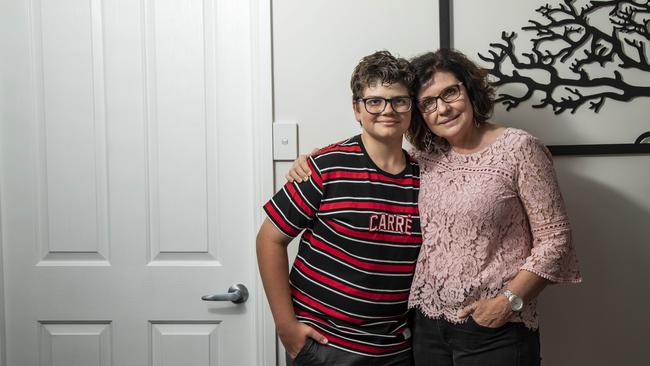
516	302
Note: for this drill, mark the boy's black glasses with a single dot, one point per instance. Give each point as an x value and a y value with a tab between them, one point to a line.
377	105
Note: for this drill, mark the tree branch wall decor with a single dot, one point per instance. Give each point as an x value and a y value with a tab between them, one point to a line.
574	55
624	47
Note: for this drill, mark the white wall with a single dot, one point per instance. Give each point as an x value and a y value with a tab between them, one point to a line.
317	44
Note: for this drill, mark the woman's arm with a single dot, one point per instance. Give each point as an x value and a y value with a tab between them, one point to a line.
552	257
496	311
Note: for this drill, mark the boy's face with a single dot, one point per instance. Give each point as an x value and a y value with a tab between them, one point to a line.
389	124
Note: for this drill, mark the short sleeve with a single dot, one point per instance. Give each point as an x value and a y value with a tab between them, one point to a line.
552	255
294	207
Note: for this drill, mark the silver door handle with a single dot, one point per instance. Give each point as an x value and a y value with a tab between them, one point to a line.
236	293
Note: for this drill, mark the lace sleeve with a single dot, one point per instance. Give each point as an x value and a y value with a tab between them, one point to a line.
552	256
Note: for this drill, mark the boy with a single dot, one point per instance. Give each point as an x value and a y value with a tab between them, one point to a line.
345	301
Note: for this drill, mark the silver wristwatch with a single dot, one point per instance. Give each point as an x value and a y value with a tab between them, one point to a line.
516	303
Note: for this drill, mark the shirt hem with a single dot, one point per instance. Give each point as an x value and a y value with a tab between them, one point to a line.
418	306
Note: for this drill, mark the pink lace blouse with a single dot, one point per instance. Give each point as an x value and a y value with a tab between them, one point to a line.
485	216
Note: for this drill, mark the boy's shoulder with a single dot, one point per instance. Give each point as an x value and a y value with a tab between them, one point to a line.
349	154
351	144
334	154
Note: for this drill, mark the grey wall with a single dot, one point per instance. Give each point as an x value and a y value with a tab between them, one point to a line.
602	321
599	322
2	304
4	90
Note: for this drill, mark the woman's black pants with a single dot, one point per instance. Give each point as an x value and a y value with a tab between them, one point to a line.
437	342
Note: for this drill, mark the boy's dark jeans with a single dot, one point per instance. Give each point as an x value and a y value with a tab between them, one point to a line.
315	354
437	342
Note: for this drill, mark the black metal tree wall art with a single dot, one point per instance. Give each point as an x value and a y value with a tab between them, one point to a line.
565	31
583	65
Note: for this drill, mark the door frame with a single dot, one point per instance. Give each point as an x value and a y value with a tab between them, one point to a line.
262	123
3	69
3	345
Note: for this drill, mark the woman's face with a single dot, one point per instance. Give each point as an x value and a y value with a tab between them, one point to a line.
452	120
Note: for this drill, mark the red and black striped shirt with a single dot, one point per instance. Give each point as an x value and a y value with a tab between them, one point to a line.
357	254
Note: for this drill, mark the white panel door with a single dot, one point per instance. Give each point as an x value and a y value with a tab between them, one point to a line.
125	122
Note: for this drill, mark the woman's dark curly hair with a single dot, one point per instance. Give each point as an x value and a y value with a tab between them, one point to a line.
474	78
382	68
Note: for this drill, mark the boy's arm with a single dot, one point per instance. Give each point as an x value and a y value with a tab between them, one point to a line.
274	269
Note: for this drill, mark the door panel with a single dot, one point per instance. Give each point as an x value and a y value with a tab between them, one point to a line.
75	344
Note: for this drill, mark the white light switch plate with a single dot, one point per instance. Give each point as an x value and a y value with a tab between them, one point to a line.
285	140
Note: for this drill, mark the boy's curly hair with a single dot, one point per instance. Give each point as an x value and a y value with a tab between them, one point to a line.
382	68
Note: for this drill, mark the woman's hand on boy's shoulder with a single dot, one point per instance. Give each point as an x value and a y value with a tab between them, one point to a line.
299	171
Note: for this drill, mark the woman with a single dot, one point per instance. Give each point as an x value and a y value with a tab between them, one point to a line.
495	230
